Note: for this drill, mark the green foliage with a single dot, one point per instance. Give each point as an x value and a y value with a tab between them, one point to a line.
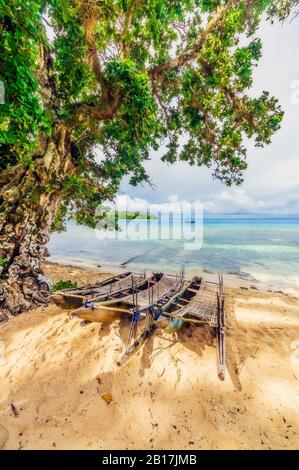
22	117
283	8
99	81
127	138
3	262
61	216
83	196
61	285
75	77
134	215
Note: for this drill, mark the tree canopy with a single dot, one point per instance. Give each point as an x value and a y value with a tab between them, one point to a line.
122	77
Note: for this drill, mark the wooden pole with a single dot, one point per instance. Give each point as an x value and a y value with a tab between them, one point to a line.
221	353
137	344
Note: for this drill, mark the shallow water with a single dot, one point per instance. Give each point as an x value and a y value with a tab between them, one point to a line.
264	249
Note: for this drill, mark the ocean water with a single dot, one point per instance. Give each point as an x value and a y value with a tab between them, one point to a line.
255	248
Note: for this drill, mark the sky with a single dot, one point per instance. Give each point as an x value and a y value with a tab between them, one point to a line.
271	183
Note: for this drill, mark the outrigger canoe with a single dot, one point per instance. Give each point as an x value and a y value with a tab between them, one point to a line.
72	298
106	309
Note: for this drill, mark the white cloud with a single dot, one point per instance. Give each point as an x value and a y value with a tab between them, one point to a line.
238	201
230	201
173	204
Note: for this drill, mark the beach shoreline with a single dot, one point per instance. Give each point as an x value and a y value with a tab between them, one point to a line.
56	376
231	280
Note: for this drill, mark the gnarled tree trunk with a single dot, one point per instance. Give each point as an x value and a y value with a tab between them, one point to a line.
29	199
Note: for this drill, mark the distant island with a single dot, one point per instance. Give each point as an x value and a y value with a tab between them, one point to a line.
132	215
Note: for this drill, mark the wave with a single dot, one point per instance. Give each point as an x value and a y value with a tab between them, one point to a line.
285	281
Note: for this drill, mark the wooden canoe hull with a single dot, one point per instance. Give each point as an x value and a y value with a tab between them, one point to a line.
112	309
74	298
68	302
100	314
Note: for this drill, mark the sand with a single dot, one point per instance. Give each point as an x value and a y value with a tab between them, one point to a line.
61	387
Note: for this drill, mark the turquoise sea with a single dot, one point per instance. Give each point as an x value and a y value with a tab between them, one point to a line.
256	248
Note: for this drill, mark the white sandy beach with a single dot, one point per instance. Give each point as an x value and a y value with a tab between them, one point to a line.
61	387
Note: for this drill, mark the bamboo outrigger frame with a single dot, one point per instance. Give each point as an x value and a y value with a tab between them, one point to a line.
151	315
206	307
158	298
197	302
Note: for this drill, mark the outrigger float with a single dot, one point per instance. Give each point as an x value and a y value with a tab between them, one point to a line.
160	300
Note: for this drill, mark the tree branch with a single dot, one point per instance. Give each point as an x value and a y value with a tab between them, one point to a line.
101	112
193	51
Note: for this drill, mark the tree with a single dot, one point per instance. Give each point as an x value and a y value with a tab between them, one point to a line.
282	8
121	76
